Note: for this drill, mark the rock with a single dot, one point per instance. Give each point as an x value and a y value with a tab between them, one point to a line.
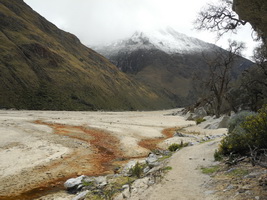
190	118
81	195
125	194
100	181
224	122
127	167
73	185
177	134
140	185
146	170
200	112
152	160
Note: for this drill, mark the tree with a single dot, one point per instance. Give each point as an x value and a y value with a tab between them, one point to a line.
222	18
219	18
220	65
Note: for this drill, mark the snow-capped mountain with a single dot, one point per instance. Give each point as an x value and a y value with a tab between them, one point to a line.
167	40
165	60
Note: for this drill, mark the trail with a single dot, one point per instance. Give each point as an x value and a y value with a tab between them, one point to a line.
185	181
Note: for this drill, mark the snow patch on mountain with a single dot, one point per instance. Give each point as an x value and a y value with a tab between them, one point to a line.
167	40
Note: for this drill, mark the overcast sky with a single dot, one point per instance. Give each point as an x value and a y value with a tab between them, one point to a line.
103	21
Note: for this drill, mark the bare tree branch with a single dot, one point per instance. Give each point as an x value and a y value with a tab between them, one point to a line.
220	65
219	18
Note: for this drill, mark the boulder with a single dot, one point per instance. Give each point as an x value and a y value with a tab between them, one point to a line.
224	122
73	185
200	112
152	160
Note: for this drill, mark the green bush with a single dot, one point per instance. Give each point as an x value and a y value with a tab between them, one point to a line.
246	130
200	120
256	129
217	156
173	147
137	170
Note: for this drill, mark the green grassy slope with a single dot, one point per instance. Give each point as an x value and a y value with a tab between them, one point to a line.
43	67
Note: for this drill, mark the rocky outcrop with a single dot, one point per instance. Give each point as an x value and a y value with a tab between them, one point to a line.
255	12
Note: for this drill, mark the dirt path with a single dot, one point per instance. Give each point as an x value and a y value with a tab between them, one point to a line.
185	181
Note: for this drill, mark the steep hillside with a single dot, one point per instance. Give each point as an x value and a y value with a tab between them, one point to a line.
166	60
43	67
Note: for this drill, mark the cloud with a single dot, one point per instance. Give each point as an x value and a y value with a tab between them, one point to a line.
103	21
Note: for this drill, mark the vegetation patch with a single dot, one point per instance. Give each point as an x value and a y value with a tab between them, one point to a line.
168	168
210	170
137	170
238	172
247	132
200	120
174	147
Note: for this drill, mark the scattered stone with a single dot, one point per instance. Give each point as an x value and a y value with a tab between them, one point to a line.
178	134
146	170
101	181
152	160
230	170
81	195
209	192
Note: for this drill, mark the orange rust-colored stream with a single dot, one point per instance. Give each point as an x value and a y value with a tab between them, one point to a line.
152	143
105	146
104	150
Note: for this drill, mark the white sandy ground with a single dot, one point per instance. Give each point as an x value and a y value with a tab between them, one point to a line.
24	145
21	147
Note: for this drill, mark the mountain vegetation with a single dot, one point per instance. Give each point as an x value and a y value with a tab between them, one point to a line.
43	67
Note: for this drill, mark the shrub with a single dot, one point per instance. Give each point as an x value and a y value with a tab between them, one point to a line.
217	156
173	147
137	170
200	120
246	130
256	128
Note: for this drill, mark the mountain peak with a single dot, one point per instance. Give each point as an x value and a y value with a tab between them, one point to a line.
168	40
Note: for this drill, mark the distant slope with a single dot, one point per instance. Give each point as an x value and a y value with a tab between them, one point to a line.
43	67
166	60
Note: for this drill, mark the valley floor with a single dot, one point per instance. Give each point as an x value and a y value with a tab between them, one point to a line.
39	150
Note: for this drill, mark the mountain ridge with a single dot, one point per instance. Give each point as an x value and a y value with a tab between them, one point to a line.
43	67
166	61
168	40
